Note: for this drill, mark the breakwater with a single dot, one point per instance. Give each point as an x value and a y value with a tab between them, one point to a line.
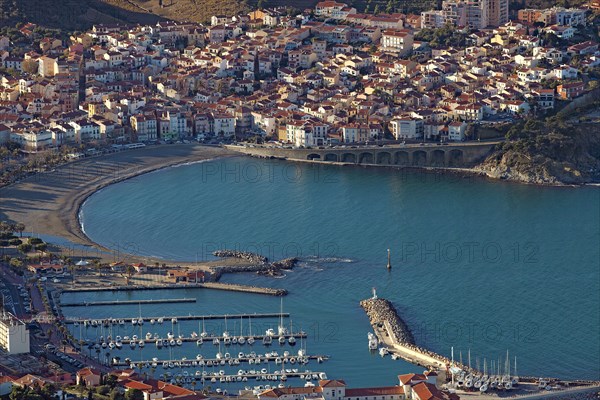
123	302
273	268
243	255
243	288
381	310
208	285
393	332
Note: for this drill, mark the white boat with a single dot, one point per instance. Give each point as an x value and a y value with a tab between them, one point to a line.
142	343
483	388
281	340
199	342
161	320
159	343
383	351
373	342
267	340
152	321
173	320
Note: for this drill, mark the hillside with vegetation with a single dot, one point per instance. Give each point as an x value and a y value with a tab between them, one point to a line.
552	150
81	14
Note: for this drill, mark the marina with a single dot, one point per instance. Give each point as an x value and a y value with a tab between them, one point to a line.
161	319
199	340
124	302
224	359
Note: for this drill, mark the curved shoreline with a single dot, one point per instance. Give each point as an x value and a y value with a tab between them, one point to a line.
50	202
80	232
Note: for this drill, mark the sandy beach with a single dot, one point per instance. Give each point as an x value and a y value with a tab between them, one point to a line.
48	203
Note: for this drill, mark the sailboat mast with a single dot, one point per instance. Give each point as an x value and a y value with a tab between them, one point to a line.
452	364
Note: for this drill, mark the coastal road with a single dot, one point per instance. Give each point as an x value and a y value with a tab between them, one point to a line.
10	291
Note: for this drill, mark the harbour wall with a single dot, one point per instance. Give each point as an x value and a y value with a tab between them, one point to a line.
393	332
459	155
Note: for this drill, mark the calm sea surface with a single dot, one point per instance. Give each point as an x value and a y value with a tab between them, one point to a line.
479	265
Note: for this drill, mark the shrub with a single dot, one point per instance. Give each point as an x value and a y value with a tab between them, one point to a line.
35	241
24	248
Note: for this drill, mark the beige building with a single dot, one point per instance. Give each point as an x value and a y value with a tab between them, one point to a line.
48	66
14	335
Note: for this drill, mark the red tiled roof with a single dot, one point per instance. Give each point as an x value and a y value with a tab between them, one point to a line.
378	391
407	378
138	385
332	383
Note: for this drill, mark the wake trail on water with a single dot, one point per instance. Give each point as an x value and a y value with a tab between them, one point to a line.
317	259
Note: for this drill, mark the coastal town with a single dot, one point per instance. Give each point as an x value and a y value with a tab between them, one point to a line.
324	76
325	82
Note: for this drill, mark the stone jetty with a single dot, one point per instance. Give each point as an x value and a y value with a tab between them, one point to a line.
243	255
381	310
259	266
393	332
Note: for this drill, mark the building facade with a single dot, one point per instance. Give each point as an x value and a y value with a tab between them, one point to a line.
14	335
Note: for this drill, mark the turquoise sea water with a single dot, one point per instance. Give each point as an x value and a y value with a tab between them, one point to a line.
479	265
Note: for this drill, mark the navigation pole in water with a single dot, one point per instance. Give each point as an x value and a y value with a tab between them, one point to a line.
389	264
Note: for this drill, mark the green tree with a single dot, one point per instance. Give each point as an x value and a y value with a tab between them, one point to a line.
35	240
24	248
30	66
115	394
389	7
41	247
19	227
134	394
129	272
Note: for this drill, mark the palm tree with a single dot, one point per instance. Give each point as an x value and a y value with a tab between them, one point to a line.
19	227
129	272
96	264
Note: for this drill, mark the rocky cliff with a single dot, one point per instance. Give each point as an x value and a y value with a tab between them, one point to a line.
550	153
